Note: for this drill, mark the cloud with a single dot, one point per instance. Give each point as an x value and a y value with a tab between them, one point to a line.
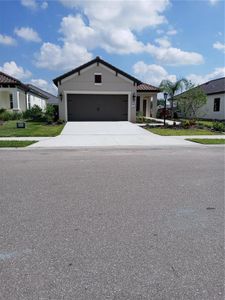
213	2
12	69
163	42
152	74
216	73
34	5
171	32
54	57
173	56
7	40
28	34
29	4
219	46
44	85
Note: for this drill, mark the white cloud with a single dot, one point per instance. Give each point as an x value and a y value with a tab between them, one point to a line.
29	4
174	56
34	4
152	74
7	40
12	69
219	46
44	5
28	34
163	42
54	57
171	32
213	2
44	85
216	73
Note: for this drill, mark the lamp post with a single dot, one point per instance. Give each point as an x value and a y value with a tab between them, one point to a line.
164	115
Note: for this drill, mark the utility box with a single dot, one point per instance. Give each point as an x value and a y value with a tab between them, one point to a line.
21	125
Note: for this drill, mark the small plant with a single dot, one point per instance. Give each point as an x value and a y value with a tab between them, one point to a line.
60	121
139	117
35	113
218	126
6	116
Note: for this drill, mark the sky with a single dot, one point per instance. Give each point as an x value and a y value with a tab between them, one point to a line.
152	40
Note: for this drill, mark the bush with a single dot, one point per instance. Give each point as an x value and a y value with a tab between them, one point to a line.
2	110
139	117
188	123
6	116
49	114
218	126
35	113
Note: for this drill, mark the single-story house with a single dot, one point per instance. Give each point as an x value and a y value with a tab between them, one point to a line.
214	109
17	96
98	91
51	99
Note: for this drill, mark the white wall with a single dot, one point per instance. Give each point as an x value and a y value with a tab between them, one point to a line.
36	100
206	112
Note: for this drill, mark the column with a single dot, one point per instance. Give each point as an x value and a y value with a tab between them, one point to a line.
16	100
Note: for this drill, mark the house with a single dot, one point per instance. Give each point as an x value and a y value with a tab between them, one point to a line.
215	107
98	91
17	96
51	99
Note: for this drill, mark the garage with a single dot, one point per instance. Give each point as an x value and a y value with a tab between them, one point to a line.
97	107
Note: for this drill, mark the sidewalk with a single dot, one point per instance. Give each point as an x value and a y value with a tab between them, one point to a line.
169	122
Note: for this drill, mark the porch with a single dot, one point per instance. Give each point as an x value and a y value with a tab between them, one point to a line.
13	99
146	104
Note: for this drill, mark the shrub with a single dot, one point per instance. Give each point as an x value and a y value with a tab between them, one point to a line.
60	121
2	110
6	116
35	113
218	126
49	114
139	117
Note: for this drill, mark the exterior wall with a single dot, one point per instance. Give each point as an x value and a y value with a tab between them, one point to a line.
35	100
85	83
22	101
4	99
206	112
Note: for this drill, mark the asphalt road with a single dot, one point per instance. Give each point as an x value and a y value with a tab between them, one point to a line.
116	224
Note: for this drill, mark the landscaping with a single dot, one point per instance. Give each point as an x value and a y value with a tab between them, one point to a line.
15	144
208	141
8	129
38	122
180	131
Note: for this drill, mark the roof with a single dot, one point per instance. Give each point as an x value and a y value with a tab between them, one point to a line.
93	61
215	86
7	80
145	87
51	98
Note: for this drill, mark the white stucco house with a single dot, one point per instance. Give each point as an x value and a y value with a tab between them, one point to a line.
17	96
99	91
215	107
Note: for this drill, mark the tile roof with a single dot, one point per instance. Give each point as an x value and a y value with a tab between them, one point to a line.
214	86
145	87
6	79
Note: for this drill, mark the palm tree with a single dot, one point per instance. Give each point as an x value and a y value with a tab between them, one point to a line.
172	88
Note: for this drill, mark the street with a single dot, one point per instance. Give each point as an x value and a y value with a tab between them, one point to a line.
119	224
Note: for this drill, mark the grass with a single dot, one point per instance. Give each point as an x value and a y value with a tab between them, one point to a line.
15	144
180	132
208	141
8	129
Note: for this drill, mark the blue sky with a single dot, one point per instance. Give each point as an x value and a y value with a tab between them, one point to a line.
152	40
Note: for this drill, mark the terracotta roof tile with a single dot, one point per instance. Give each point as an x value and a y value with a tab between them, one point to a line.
145	87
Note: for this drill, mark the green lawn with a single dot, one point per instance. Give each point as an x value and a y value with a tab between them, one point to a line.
174	132
15	144
8	129
208	141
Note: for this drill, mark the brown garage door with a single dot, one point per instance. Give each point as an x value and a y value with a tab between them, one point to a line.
84	107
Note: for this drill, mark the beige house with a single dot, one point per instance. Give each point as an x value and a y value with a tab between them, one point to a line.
98	91
16	96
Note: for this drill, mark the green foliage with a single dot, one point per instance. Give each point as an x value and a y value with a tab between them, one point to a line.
218	126
139	117
188	123
191	101
2	110
35	113
172	88
6	115
49	114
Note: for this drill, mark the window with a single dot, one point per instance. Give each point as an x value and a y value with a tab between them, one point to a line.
11	101
138	104
98	78
28	102
216	104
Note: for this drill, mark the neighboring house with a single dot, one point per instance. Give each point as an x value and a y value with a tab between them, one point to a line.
214	108
98	91
17	96
51	99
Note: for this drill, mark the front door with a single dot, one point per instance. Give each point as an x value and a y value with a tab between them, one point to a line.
144	107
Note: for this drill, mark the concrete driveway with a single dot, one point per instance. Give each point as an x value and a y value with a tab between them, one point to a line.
103	134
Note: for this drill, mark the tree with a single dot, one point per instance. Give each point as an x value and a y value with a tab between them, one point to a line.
172	88
191	100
